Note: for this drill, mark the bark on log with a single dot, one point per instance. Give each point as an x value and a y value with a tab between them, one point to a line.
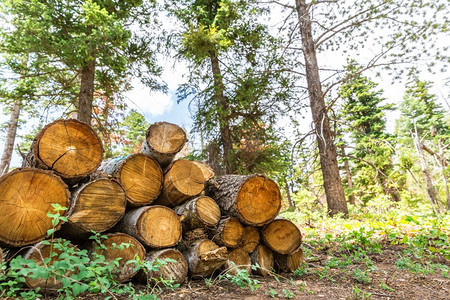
26	196
182	181
116	248
204	257
200	212
155	226
207	171
229	233
176	271
251	239
192	237
254	199
163	141
70	148
262	257
97	205
282	236
289	262
39	253
238	259
140	176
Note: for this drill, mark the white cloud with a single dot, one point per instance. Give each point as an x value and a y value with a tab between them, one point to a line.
148	102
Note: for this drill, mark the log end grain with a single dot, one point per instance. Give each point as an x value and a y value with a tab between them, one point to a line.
97	206
282	236
166	137
207	171
141	177
26	196
115	248
69	147
238	259
263	257
159	227
289	262
251	239
229	232
175	270
205	257
207	211
258	200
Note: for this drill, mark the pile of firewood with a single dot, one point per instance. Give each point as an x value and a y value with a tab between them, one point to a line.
164	208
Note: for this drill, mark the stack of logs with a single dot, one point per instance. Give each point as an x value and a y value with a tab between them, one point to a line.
164	208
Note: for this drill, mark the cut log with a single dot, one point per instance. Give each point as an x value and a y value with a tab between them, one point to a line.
251	239
282	236
262	257
229	233
182	180
193	236
163	141
2	258
289	262
140	176
70	148
204	257
238	259
26	196
38	253
176	271
155	226
207	171
125	247
254	199
201	212
95	206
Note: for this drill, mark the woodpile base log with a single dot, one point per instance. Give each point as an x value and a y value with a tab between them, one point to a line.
38	253
201	212
72	149
155	226
254	199
95	206
205	257
282	236
238	259
182	180
26	196
163	141
140	176
115	247
263	257
229	233
176	270
289	262
251	239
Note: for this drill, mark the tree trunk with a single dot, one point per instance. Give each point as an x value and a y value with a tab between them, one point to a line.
176	271
95	206
10	138
140	176
444	178
86	96
328	158
155	226
238	259
253	199
282	236
431	193
70	148
114	247
263	258
288	195
182	180
229	233
204	257
163	141
251	239
201	212
351	197
289	262
224	126
26	197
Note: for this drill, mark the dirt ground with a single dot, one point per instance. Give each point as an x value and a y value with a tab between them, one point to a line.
337	285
